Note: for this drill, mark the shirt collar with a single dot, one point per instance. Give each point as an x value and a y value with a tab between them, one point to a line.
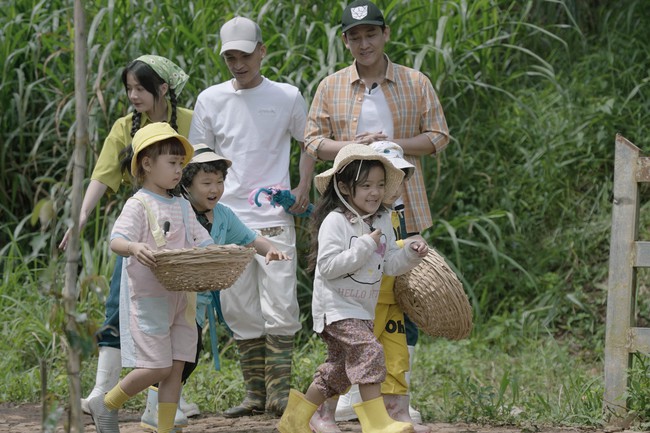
390	71
145	120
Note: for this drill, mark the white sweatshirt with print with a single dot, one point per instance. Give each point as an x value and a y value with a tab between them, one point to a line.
350	266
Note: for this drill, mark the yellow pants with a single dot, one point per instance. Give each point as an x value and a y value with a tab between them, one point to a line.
391	332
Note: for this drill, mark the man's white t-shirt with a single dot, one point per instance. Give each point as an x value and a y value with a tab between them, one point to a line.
253	128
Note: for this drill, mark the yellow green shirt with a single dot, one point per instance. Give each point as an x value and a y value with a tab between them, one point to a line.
107	170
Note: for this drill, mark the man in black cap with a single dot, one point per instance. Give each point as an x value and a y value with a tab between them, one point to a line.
374	100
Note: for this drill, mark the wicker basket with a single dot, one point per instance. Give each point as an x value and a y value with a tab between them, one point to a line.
215	267
433	297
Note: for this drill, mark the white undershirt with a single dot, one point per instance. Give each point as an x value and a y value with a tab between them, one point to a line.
375	114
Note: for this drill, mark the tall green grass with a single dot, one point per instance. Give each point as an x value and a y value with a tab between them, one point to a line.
533	92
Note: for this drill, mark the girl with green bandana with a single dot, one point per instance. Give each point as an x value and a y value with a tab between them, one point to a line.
152	84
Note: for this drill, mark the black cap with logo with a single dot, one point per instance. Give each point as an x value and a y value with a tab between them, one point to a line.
361	12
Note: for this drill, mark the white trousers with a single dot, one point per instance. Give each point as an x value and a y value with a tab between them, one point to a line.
264	299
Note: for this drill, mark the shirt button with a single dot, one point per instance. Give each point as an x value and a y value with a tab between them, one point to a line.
359	99
354	119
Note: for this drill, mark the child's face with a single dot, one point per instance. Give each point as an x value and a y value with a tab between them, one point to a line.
369	194
162	173
391	199
245	67
142	100
206	190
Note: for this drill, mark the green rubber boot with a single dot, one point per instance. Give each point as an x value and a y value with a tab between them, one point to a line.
251	357
279	349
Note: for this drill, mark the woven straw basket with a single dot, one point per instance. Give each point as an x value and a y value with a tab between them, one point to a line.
433	297
215	267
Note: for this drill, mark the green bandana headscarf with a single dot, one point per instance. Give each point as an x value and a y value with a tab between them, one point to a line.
168	71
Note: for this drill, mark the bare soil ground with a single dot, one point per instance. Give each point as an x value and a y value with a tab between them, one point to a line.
27	419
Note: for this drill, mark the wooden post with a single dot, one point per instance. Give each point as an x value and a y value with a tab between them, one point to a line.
622	338
71	290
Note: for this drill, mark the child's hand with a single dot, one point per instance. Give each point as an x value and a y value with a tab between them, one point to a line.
376	236
274	254
420	247
142	253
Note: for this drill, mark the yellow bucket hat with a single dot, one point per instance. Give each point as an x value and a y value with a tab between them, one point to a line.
355	151
153	133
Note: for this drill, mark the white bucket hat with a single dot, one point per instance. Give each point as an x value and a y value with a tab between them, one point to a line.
395	155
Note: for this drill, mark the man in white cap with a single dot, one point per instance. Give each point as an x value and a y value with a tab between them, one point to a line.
251	120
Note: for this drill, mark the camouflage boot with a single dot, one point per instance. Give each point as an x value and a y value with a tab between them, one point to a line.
279	349
251	357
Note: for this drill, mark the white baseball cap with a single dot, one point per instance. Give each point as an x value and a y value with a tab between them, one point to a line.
241	34
395	154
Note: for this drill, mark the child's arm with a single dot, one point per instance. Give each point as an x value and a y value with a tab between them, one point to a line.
139	250
237	233
132	224
417	237
401	260
266	249
336	257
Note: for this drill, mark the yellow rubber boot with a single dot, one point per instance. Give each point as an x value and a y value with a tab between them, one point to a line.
374	418
296	416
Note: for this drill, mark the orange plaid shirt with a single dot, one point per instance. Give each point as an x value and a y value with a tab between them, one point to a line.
335	112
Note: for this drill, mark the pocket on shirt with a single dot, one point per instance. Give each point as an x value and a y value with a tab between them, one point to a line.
153	315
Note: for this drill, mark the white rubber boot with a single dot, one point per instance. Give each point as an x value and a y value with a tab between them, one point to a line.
413	413
344	408
188	408
109	366
149	419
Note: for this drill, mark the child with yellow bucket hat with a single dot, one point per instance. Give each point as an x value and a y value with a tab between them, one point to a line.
159	333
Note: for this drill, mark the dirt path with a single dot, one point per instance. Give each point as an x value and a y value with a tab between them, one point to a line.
26	419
